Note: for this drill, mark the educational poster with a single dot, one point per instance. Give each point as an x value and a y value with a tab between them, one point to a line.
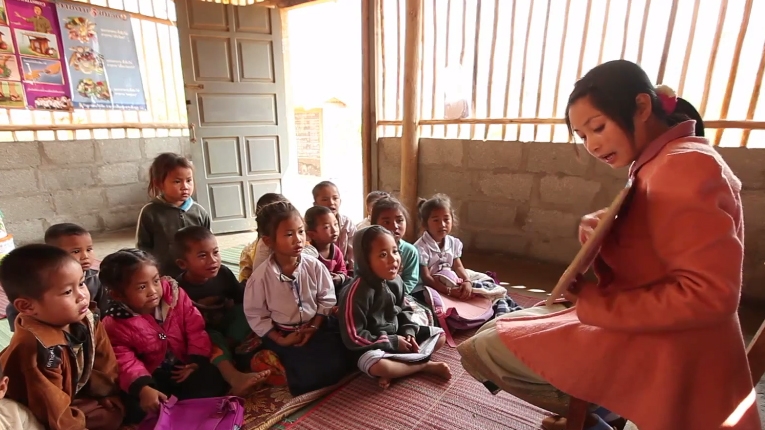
37	59
101	57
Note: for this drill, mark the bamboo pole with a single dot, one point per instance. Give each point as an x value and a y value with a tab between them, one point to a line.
542	66
448	28
492	54
474	92
383	68
367	121
626	28
643	28
605	31
584	39
523	65
398	61
713	57
560	65
409	136
718	123
462	51
435	67
510	65
689	47
734	67
667	42
422	66
755	97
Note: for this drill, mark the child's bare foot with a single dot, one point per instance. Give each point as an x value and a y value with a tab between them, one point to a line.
248	381
439	369
383	383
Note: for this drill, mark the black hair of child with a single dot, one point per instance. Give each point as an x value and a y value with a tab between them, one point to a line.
25	271
57	231
612	88
320	186
438	201
267	199
117	268
385	204
312	215
186	236
271	215
162	166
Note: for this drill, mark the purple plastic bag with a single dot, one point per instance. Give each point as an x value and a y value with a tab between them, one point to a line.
212	413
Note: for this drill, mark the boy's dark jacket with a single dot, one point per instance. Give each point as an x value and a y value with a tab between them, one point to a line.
44	374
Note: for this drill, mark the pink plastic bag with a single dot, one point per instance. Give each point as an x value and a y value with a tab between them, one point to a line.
213	413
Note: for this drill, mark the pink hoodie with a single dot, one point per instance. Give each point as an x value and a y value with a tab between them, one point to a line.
658	341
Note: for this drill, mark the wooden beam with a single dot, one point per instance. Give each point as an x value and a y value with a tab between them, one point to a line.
368	123
410	123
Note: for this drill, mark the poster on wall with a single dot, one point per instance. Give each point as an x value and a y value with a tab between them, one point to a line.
101	57
31	62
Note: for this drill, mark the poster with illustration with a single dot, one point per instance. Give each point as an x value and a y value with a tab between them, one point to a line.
101	57
32	38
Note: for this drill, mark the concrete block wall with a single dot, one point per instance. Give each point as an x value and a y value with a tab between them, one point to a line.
526	199
99	184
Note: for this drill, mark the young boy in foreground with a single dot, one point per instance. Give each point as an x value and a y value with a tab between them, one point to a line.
76	241
60	359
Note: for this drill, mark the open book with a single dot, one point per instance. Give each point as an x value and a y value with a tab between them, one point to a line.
586	255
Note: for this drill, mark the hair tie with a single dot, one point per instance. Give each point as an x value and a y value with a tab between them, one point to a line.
667	97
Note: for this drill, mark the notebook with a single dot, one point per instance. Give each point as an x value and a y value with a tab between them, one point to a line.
586	255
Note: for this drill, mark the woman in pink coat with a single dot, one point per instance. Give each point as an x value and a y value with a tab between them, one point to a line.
158	335
656	340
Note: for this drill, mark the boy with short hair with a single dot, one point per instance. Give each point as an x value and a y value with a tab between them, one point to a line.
77	241
326	194
14	415
60	359
218	295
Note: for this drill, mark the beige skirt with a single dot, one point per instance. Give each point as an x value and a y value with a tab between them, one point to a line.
485	358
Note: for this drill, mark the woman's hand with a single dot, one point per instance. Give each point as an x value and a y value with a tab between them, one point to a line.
572	292
588	224
150	399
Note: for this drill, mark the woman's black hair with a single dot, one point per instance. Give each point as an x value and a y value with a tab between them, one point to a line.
271	215
612	88
385	204
117	268
438	201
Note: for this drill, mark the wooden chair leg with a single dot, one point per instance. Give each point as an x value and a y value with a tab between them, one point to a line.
577	414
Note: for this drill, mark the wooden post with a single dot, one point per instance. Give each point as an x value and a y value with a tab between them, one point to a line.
410	133
368	123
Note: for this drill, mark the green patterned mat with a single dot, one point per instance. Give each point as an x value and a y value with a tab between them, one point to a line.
231	258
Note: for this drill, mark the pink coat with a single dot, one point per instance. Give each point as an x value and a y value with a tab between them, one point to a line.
658	340
140	343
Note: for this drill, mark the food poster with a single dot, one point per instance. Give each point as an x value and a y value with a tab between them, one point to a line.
31	57
101	56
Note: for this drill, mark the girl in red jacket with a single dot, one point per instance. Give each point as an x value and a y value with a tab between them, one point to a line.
158	335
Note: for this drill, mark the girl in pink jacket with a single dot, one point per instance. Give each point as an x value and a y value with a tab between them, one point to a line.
657	339
157	334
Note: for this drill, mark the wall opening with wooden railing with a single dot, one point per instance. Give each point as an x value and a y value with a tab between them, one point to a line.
514	62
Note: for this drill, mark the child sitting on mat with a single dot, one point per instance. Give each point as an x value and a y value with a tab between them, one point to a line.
376	322
323	230
158	336
371	199
288	302
217	294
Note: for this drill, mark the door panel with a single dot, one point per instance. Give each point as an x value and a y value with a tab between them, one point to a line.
234	74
